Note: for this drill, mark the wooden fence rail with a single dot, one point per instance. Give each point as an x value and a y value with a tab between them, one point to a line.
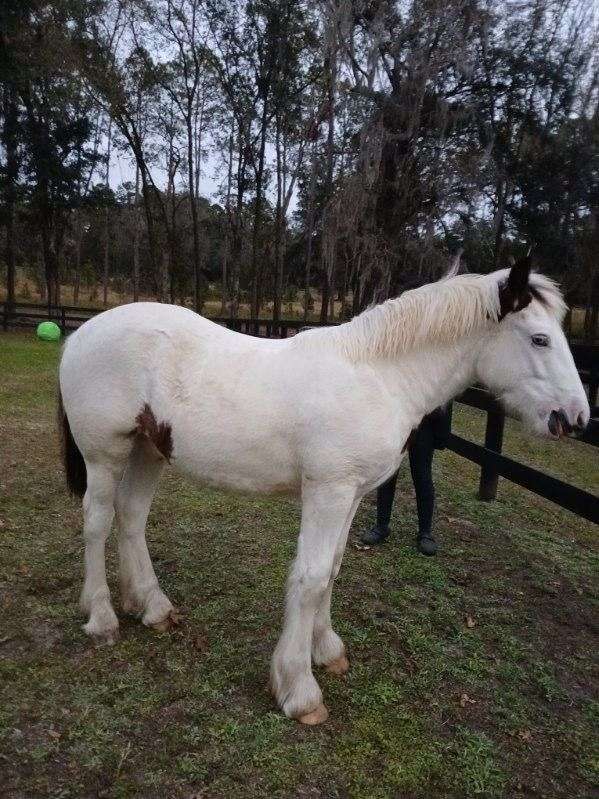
493	464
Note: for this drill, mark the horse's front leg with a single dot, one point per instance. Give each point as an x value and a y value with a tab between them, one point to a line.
327	648
325	510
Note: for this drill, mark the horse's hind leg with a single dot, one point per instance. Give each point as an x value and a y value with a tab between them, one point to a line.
140	592
98	511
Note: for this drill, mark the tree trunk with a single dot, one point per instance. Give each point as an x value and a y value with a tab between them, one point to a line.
134	140
198	292
50	264
59	231
308	269
237	227
499	223
78	245
227	242
198	130
278	283
258	210
327	269
136	234
42	287
9	139
164	275
324	304
107	222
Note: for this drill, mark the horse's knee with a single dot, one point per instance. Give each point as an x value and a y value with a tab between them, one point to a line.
310	581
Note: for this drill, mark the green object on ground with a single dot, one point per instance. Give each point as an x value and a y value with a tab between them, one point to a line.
48	331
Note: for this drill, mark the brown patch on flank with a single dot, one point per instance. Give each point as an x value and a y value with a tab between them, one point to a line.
158	434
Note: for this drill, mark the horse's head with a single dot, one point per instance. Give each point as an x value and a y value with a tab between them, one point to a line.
526	361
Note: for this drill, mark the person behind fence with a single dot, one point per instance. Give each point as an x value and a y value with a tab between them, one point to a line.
432	434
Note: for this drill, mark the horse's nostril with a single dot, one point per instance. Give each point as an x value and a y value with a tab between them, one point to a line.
553	422
565	423
580	423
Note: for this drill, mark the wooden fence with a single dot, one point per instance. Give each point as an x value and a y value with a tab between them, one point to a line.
493	464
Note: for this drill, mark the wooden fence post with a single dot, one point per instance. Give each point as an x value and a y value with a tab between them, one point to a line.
593	384
493	440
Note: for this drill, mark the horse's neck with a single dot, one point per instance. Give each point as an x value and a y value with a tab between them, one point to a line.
429	377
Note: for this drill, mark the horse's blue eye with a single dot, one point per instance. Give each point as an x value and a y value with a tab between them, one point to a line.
540	340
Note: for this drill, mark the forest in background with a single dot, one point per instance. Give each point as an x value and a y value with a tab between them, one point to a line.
354	147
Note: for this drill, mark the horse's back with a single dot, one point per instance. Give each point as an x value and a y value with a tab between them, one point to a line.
242	412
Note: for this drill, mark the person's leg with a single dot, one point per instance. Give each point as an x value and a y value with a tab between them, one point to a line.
384	505
421	461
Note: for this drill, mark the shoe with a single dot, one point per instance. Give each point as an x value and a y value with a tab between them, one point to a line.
426	545
374	536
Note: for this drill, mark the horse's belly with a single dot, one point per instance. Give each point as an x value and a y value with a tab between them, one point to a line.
233	478
259	467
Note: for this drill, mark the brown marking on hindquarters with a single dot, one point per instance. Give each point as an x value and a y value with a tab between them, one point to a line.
158	434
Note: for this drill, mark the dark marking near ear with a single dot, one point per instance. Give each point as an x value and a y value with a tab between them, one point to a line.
158	434
515	294
538	295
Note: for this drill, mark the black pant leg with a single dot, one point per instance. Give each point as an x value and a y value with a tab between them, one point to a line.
421	461
385	495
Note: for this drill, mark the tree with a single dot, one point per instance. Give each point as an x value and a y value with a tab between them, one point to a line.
56	124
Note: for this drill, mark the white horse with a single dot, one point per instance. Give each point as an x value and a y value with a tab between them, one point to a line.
325	415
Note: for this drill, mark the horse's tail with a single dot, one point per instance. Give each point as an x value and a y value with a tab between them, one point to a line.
74	465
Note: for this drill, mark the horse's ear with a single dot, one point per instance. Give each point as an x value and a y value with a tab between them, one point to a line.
514	293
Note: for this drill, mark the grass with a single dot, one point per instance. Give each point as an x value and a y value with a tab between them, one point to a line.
505	706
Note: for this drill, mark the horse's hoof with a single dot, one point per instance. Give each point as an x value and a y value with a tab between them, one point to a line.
317	716
131	608
107	639
172	621
339	666
104	638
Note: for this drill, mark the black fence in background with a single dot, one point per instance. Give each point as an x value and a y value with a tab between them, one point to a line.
70	317
493	464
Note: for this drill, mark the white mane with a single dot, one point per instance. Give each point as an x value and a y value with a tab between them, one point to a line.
441	312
